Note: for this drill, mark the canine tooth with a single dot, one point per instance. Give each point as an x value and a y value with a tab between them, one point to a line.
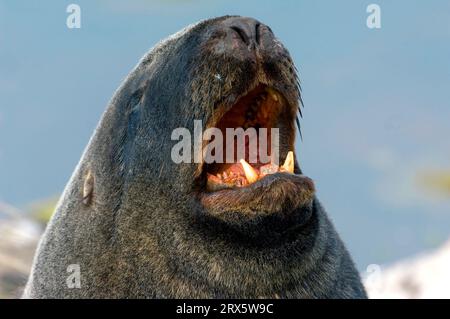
250	173
289	162
273	94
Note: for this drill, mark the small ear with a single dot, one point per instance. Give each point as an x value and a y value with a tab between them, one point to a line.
88	188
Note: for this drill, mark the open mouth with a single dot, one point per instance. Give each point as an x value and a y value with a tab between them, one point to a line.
250	156
251	186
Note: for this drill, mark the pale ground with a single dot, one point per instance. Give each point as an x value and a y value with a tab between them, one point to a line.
424	276
18	240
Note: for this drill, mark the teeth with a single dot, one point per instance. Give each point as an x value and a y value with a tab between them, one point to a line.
250	173
273	94
289	162
232	179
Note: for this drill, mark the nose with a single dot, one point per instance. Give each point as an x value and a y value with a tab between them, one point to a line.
247	30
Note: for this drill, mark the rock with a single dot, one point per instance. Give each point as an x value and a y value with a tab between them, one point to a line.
424	276
18	241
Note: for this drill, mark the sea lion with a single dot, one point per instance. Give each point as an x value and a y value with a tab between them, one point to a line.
135	224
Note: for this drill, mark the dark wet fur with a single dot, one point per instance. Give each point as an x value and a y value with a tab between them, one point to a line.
143	232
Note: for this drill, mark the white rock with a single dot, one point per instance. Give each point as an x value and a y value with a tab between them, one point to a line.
424	276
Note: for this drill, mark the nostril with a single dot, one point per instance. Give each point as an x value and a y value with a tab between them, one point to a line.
257	32
242	34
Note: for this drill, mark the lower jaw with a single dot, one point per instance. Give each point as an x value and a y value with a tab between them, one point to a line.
277	195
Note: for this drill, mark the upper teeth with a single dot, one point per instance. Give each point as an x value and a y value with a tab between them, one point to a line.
273	94
249	171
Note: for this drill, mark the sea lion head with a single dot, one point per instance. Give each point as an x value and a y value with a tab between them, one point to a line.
138	222
227	72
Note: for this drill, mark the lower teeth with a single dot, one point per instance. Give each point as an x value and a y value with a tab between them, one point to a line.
251	175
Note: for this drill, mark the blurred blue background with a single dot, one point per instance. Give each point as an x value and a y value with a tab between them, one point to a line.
376	117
